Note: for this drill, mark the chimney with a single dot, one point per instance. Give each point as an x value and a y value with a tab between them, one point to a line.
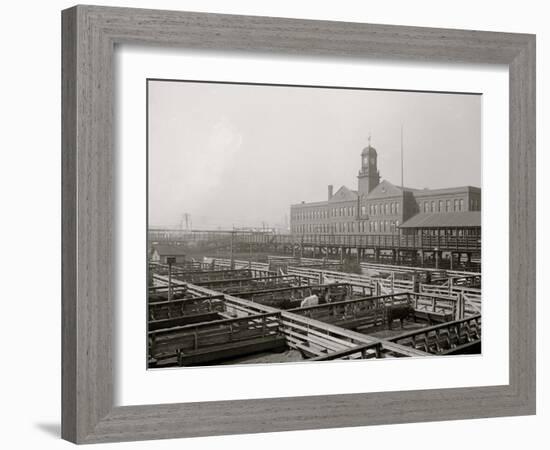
330	191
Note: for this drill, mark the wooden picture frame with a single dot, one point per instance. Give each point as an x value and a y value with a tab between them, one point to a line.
89	37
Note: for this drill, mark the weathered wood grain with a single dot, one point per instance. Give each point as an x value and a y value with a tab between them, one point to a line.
89	36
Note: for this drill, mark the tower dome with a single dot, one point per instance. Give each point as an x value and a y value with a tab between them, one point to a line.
368	177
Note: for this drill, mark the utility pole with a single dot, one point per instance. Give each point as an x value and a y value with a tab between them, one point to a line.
232	262
170	260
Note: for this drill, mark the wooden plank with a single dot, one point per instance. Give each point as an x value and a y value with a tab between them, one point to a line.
233	350
155	325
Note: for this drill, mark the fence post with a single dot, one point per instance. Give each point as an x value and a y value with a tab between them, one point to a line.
459	307
416	282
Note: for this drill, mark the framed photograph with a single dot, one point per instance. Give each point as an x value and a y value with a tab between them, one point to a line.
276	224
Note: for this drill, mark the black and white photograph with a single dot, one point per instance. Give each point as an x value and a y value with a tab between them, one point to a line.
292	224
257	225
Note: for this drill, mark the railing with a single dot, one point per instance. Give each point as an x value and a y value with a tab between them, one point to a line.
256	267
444	338
291	297
197	277
435	305
447	295
305	334
412	241
366	351
237	285
373	284
458	275
470	296
166	343
372	309
187	306
430	242
302	262
188	266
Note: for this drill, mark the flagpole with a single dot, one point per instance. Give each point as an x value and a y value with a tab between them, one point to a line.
402	185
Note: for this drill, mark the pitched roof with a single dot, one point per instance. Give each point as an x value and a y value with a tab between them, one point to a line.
444	220
343	194
169	250
452	190
386	189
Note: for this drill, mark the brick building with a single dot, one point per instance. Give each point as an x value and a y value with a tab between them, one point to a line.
380	207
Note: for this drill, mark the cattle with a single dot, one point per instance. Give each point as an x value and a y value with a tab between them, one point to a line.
312	300
372	273
400	312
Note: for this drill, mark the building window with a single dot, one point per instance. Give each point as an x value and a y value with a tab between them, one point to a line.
440	205
425	207
433	206
456	204
462	204
447	205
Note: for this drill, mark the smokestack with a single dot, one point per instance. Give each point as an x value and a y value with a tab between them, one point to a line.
330	191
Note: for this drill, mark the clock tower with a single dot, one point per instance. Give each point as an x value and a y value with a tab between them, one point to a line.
368	177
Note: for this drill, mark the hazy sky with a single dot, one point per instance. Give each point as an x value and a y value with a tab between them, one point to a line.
240	155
